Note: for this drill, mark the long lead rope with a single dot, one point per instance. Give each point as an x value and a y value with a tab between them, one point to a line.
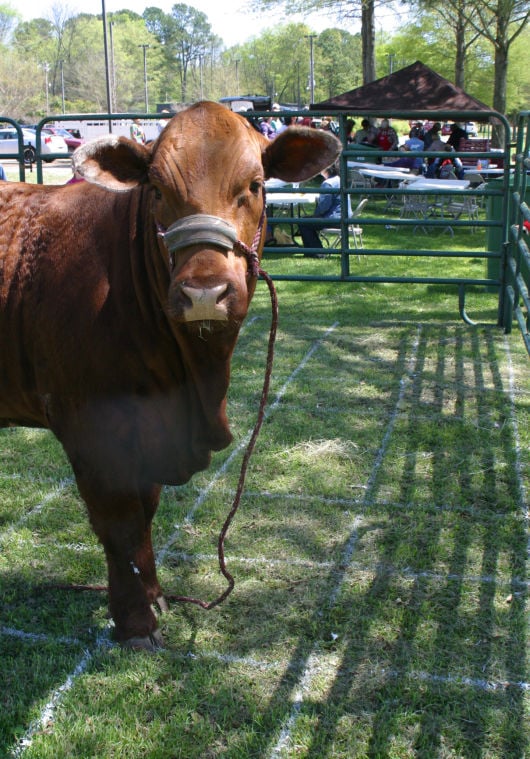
244	465
254	270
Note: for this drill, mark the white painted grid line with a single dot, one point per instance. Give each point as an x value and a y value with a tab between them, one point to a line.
47	713
521	490
11	632
50	496
162	553
355	566
311	665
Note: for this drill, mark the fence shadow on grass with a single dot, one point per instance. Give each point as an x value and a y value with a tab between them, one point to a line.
426	594
432	651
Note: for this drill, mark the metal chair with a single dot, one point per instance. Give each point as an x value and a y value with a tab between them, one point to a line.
468	205
474	178
357	180
332	235
416	207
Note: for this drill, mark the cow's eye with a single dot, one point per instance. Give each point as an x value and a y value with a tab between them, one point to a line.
255	187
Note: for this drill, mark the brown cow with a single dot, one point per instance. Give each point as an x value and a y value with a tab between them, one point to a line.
120	310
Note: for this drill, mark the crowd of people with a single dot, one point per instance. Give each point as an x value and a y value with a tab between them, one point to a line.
382	138
385	138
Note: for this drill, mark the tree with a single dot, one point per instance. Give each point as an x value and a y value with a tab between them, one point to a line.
334	47
9	18
341	10
454	18
425	39
20	91
501	22
185	35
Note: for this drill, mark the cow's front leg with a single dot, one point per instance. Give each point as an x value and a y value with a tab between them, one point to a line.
122	522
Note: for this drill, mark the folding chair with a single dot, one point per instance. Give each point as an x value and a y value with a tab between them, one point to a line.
332	235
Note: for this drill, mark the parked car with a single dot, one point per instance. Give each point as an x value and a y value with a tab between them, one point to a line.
71	141
50	143
470	128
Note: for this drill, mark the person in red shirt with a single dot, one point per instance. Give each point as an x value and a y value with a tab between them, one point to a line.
387	138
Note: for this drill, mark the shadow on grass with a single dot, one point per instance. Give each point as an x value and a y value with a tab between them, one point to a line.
426	637
449	667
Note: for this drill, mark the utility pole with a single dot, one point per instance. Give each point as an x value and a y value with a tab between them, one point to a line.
311	37
46	67
145	77
112	68
237	61
107	72
61	64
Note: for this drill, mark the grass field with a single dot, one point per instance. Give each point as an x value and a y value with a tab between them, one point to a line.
380	553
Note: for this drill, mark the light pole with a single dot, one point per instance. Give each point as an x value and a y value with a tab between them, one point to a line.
145	77
46	68
112	67
61	64
107	72
237	61
201	58
311	37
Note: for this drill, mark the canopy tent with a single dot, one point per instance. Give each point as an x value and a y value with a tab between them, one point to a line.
414	87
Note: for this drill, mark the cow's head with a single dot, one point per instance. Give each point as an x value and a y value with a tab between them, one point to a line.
207	171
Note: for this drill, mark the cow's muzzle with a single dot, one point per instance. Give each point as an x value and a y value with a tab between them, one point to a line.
206	303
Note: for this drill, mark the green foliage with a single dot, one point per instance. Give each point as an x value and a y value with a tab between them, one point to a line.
426	40
338	63
185	35
185	60
277	63
8	20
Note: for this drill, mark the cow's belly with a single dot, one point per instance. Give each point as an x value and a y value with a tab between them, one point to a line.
176	440
132	439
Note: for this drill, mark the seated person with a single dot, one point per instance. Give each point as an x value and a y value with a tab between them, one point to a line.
414	163
432	134
328	208
457	134
350	134
366	135
435	164
387	138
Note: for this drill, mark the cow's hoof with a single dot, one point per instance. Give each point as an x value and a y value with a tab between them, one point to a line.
152	642
162	604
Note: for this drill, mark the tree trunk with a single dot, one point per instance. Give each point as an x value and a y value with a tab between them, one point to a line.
368	40
460	58
502	47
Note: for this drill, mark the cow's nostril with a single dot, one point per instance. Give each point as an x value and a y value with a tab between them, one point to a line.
223	295
205	302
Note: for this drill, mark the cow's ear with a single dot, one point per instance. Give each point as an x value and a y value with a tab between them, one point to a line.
116	163
299	153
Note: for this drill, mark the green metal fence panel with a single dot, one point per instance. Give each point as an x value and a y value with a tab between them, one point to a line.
504	270
493	194
86	117
516	299
20	155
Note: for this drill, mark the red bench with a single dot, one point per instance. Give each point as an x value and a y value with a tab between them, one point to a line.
472	146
